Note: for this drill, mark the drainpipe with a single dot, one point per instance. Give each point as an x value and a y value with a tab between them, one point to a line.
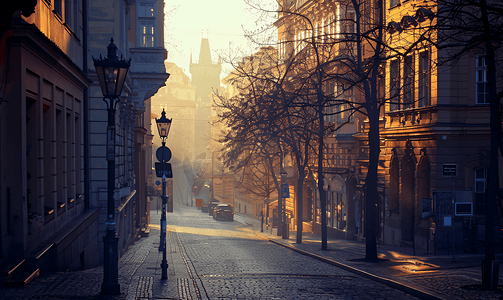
87	196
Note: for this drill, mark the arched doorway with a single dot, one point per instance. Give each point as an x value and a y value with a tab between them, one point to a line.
336	206
423	180
407	210
394	183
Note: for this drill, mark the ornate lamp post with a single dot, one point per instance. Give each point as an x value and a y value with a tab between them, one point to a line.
111	73
164	155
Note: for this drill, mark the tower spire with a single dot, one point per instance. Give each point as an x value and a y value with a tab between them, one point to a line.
204	52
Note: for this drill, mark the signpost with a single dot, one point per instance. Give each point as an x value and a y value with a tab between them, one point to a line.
163	170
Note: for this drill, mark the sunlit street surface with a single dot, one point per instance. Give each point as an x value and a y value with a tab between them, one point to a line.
227	260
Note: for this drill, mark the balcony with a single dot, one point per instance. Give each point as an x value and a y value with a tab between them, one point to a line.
147	72
148	60
410	117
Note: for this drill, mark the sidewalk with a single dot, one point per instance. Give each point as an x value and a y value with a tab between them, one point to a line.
139	276
426	277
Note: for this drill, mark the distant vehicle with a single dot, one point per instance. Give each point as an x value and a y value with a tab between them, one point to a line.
223	212
211	206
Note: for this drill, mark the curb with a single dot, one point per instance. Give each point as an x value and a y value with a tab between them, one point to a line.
414	291
406	288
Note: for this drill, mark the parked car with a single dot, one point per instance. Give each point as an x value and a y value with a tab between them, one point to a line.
211	206
223	212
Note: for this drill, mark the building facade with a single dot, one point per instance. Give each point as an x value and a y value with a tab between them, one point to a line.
137	30
48	222
436	146
52	142
434	132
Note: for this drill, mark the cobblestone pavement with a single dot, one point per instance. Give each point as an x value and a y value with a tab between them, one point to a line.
426	276
211	259
230	261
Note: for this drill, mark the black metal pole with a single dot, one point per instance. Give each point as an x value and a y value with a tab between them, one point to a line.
163	218
110	285
164	263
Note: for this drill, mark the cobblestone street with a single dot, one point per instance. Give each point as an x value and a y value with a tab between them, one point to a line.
211	259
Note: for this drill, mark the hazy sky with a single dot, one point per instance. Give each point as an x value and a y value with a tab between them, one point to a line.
221	21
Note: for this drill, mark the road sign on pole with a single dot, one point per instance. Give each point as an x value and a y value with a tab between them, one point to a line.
163	154
160	170
285	190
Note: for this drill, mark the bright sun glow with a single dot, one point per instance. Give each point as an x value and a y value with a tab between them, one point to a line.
221	21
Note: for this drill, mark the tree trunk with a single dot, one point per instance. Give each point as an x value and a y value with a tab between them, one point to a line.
371	195
323	197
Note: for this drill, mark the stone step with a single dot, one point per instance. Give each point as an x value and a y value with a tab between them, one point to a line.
20	274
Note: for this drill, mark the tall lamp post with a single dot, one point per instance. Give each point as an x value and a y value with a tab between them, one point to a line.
164	155
111	73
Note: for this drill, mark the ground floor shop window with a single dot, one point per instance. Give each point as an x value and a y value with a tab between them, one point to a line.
336	211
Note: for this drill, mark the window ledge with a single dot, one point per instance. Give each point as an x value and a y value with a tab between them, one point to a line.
58	16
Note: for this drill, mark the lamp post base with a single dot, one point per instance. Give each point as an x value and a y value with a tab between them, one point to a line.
110	285
110	288
164	269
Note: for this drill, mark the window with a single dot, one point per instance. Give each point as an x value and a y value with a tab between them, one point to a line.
147	33
393	3
408	82
350	22
281	49
377	11
330	108
482	96
341	109
348	98
68	14
394	84
58	7
424	79
480	190
146	10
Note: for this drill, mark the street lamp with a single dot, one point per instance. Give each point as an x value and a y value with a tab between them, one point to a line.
111	73
164	155
163	126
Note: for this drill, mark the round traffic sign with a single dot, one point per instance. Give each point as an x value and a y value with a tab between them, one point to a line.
157	182
163	154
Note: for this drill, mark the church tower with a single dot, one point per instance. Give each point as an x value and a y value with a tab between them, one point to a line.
206	78
205	74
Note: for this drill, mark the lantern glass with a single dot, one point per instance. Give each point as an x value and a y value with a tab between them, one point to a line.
163	125
111	72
